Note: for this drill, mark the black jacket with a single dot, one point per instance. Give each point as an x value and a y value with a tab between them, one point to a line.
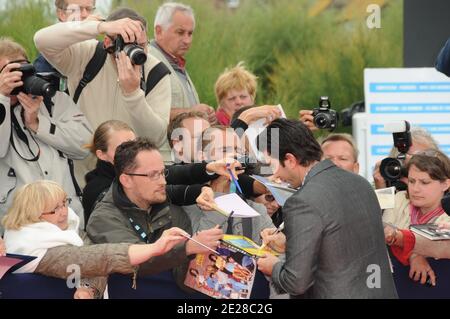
98	182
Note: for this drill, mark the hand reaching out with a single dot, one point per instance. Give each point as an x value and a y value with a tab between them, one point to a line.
307	118
222	166
268	112
205	200
170	238
208	110
420	269
209	237
130	30
273	239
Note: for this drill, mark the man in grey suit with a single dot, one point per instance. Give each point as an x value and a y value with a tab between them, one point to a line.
334	235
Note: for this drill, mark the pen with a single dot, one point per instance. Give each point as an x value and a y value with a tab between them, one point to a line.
276	231
199	243
238	187
228	219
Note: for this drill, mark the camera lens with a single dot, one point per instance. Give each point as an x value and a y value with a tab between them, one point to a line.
136	54
322	120
37	86
391	169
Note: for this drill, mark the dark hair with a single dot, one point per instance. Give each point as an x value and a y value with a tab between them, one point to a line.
177	122
125	157
433	162
121	13
240	111
297	139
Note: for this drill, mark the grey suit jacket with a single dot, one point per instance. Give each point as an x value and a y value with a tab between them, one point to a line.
335	242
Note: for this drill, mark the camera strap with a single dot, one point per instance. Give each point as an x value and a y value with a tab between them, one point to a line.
74	180
15	127
92	69
155	75
98	60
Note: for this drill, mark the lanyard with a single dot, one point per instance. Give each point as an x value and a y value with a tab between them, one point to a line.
138	229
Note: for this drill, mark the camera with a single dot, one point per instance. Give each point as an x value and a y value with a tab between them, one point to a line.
347	113
324	116
249	164
135	52
393	169
34	83
56	80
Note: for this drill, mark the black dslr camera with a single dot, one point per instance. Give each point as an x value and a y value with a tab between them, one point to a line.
135	52
36	83
393	169
249	164
324	116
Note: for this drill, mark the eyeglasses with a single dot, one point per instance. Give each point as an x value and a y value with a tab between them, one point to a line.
77	8
66	203
153	175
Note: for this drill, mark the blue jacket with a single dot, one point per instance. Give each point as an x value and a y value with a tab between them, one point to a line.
42	65
443	59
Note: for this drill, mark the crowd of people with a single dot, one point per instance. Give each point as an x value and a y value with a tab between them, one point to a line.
118	171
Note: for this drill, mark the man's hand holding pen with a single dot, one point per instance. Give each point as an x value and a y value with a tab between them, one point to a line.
274	238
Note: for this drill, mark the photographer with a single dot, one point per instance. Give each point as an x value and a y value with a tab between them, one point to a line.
120	90
323	117
66	10
420	140
37	141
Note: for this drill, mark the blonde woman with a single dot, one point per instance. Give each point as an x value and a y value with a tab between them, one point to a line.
40	223
234	89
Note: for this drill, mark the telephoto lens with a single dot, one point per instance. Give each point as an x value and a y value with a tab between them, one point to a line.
36	86
32	84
